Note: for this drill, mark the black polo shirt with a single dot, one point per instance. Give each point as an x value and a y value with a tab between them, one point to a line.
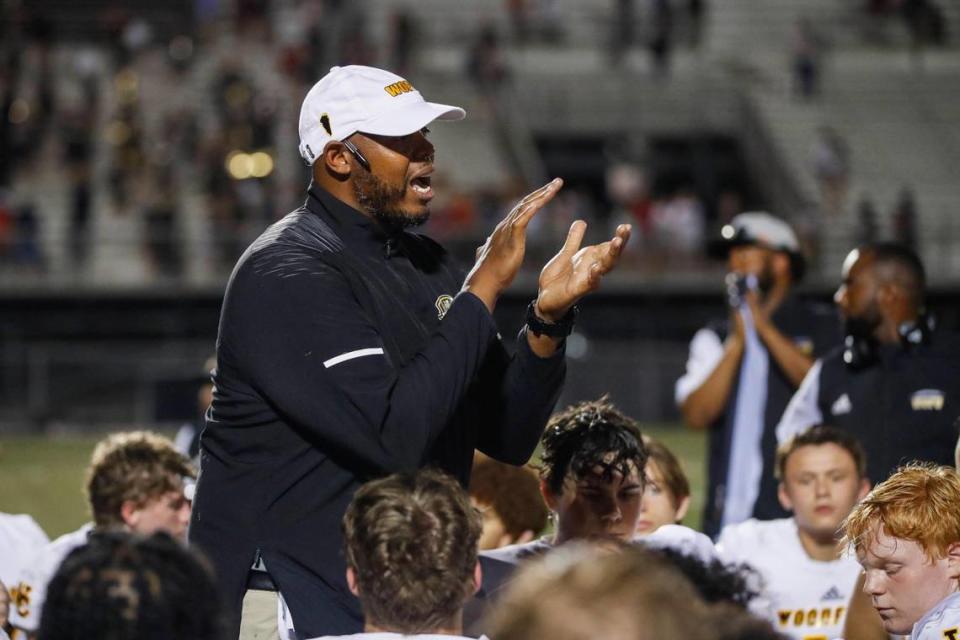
346	353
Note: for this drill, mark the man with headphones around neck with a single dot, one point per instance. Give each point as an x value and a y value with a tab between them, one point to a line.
895	382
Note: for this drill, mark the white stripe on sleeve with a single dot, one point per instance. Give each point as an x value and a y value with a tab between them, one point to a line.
350	355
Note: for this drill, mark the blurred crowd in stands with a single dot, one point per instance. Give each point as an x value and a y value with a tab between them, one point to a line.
147	152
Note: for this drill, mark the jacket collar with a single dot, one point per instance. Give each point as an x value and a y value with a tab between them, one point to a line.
356	229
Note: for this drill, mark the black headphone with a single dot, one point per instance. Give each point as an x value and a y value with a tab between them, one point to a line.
860	353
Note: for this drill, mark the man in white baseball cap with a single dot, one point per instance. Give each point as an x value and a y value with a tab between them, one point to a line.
357	98
743	369
351	348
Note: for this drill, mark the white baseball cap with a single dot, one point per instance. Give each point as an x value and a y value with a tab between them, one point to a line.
759	227
357	98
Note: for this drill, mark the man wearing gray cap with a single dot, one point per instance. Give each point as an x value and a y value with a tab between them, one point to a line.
742	370
350	348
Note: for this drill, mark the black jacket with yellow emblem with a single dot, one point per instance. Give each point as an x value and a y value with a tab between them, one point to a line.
901	401
346	354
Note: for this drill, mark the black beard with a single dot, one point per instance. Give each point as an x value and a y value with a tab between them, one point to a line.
381	201
863	326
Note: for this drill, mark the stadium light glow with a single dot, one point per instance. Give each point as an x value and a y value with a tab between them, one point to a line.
239	165
243	166
261	164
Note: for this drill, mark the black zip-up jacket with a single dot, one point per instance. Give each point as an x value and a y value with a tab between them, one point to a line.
345	354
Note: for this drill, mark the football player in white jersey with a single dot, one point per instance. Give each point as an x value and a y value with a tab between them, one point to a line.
808	578
907	537
136	481
20	537
666	495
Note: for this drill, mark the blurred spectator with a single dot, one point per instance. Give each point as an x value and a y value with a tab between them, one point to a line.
519	13
696	9
806	50
510	501
456	217
661	39
77	128
7	231
627	191
162	239
187	440
403	38
550	21
486	63
27	252
678	223
905	220
926	24
830	159
728	204
355	46
124	587
621	29
866	221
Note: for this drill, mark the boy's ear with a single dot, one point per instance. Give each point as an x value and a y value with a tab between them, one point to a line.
352	581
549	498
682	509
129	513
477	577
953	560
784	497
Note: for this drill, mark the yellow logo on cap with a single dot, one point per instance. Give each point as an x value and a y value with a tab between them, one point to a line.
397	88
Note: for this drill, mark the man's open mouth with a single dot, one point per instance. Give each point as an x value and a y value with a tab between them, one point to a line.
421	184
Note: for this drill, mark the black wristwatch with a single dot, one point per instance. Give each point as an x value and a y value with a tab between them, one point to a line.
559	329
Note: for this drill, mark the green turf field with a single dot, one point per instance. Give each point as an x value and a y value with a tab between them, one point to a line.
44	476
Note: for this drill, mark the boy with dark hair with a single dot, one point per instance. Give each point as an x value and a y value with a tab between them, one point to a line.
136	482
808	579
126	587
907	537
411	552
592	479
591	472
509	499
